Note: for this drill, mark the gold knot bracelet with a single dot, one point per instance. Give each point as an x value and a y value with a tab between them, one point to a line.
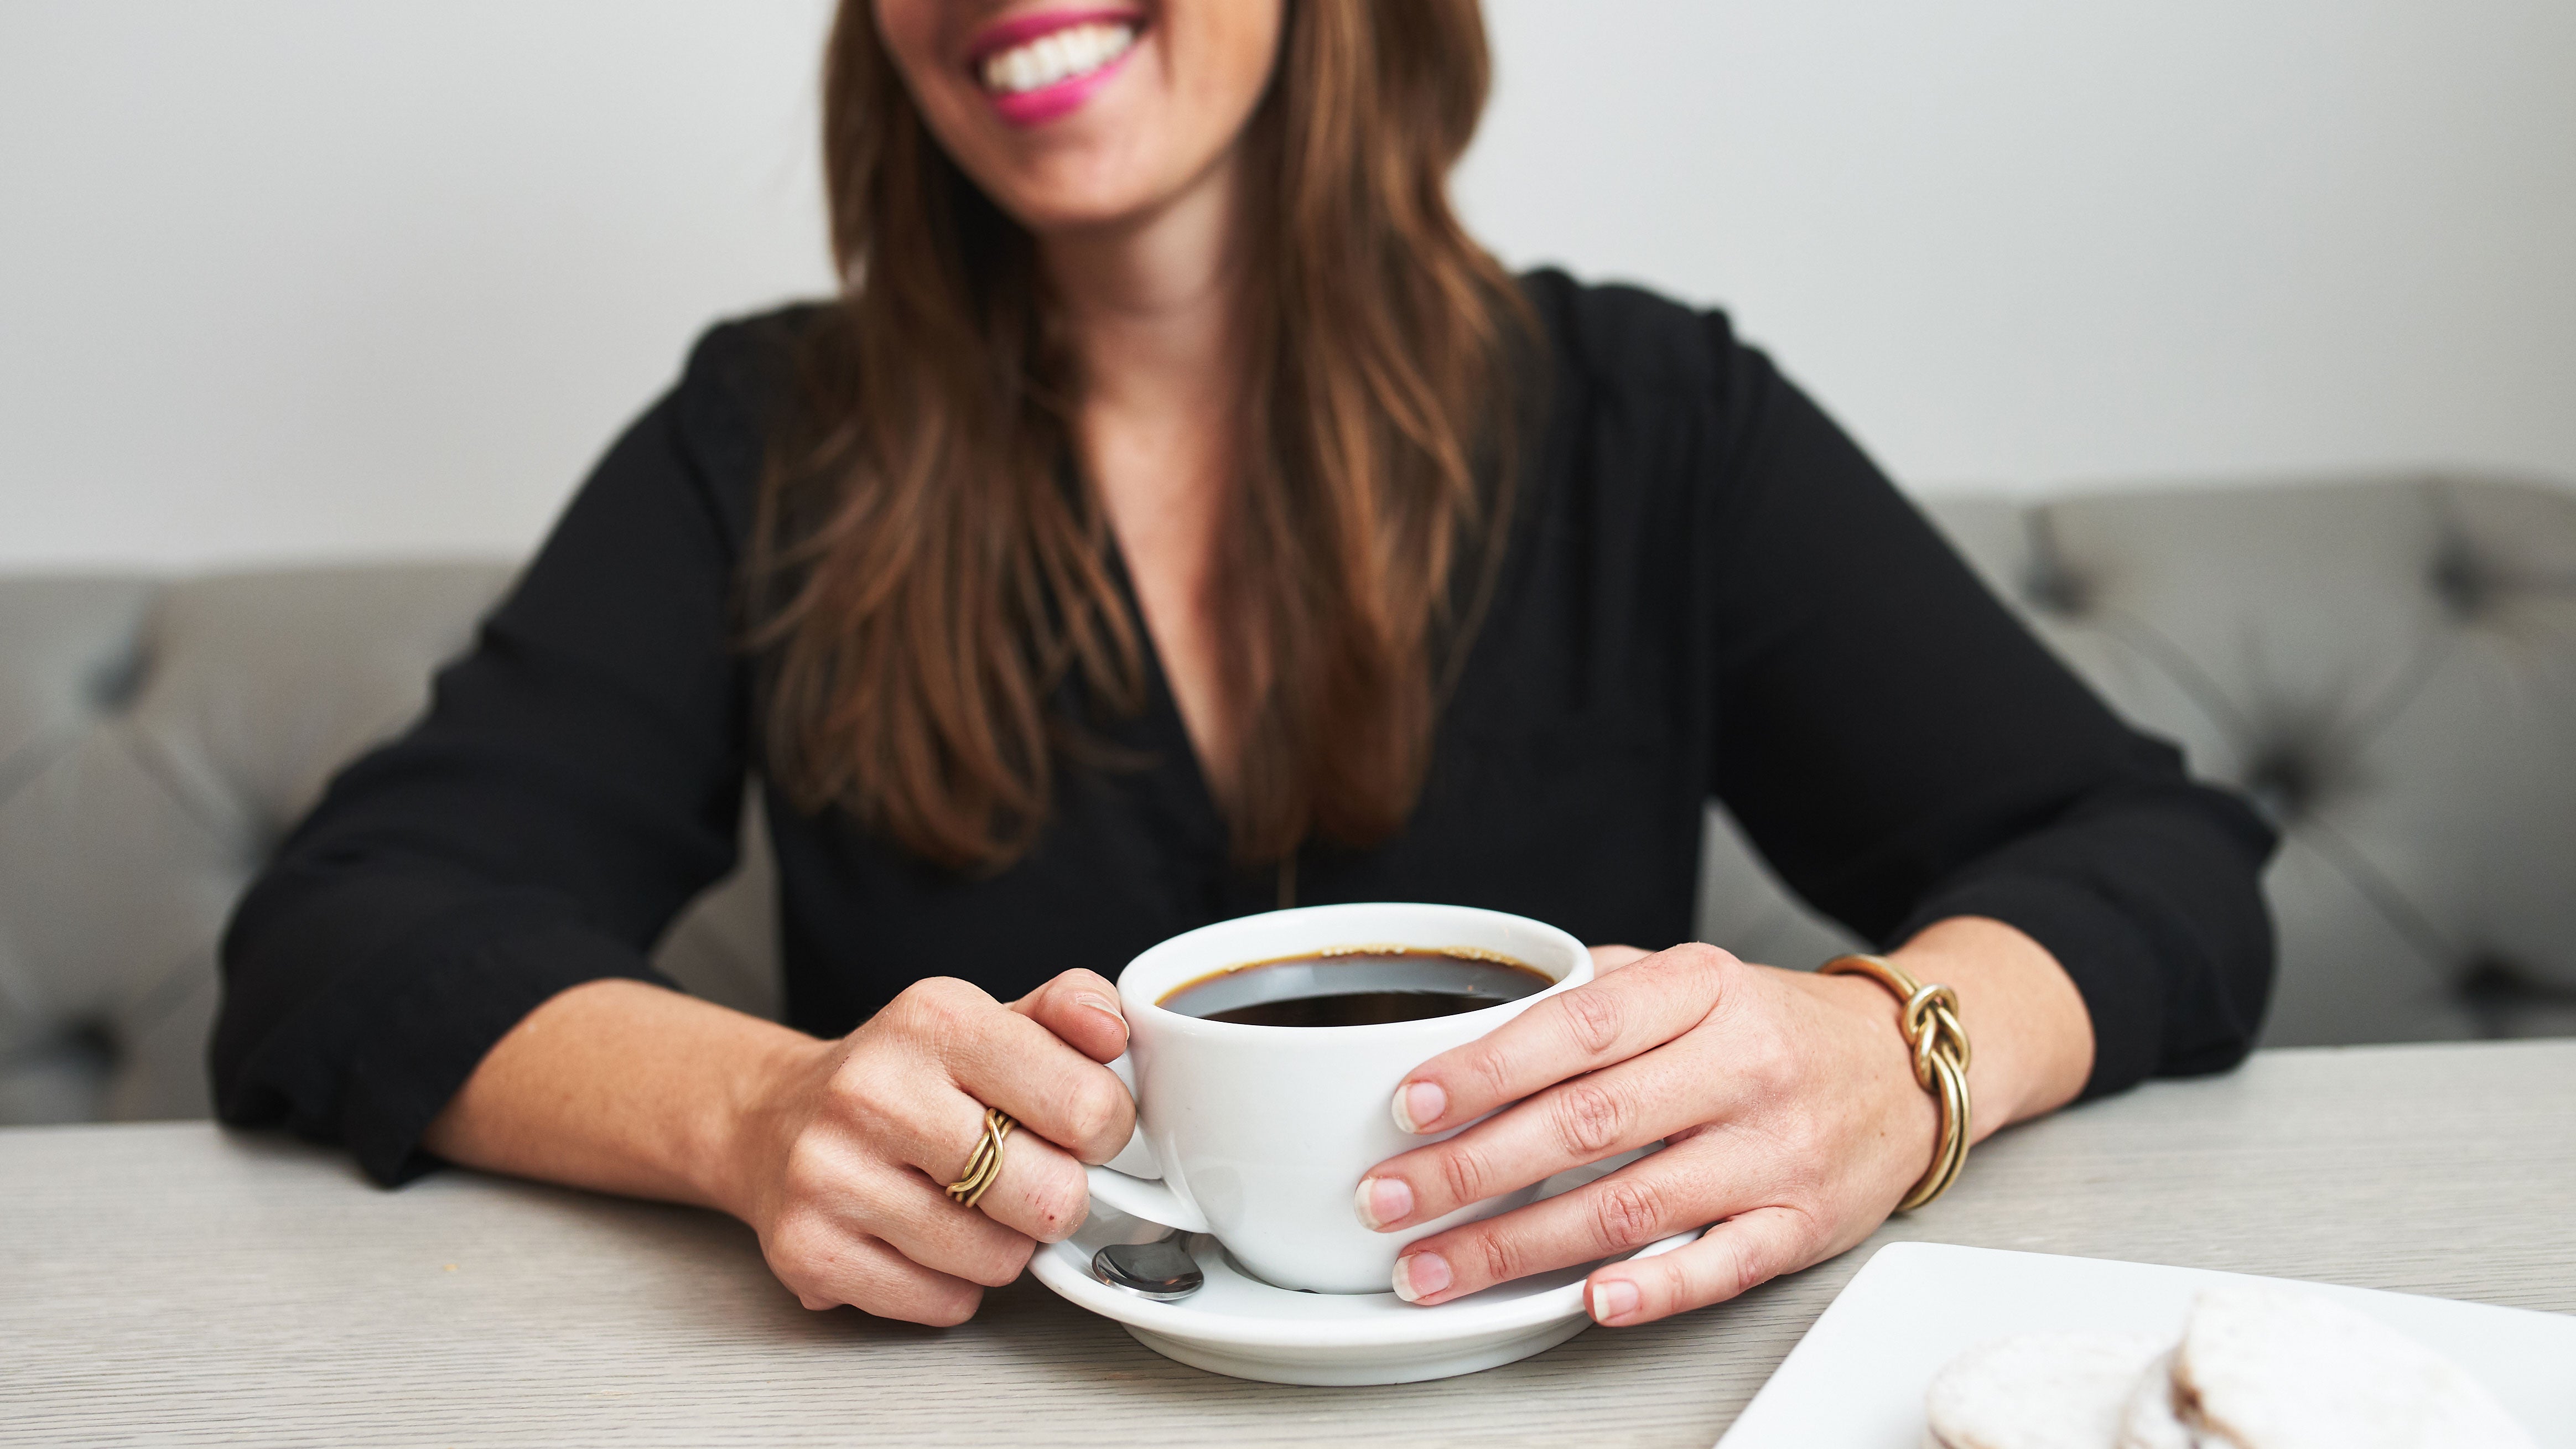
1929	1020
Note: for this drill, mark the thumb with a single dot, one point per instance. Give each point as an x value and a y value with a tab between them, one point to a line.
1081	1008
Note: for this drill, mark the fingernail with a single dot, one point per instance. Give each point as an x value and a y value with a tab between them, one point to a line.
1417	1104
1101	1004
1613	1299
1383	1200
1420	1276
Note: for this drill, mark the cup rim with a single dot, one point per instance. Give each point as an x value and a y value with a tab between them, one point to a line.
1576	973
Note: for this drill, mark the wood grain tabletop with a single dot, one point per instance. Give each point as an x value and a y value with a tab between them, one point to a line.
175	1283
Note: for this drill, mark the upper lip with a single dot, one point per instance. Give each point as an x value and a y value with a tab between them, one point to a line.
1002	35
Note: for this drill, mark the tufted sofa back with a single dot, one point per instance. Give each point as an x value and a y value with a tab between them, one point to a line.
2388	666
157	739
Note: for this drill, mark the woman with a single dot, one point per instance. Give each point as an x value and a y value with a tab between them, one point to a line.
1178	516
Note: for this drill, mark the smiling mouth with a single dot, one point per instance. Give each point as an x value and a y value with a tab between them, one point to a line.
1084	47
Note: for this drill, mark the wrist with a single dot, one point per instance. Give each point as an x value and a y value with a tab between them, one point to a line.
2033	1037
750	1126
1911	1116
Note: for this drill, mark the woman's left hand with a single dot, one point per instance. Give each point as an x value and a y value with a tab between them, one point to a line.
1786	1100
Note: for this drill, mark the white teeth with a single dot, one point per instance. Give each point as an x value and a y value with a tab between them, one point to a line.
1055	58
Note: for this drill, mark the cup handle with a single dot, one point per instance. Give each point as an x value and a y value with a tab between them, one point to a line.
1132	1183
1137	1197
1135	1159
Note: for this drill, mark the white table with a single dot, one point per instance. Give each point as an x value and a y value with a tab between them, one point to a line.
173	1283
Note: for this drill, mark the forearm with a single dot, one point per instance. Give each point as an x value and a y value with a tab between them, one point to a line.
2031	1036
622	1087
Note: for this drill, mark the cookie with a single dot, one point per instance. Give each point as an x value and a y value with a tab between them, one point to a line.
2150	1420
2043	1391
2269	1368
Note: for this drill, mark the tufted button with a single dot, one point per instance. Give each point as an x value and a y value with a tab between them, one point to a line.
2056	591
2284	782
2461	581
90	1041
2048	583
2499	993
257	844
114	682
2489	978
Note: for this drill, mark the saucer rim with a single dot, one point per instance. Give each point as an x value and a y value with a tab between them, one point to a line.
1064	1268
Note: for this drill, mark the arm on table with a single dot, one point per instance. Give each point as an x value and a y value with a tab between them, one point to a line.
1915	763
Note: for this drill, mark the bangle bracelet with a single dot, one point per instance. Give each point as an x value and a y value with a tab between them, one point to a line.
1930	1023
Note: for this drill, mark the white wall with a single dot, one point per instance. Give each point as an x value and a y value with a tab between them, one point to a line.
2025	242
301	278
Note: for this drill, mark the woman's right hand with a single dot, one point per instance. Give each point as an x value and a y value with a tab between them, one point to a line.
842	1164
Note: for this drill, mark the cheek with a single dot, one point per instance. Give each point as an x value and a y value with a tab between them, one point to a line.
916	36
1219	67
1231	51
909	31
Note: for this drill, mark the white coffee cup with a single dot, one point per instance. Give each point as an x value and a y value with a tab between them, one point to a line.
1260	1134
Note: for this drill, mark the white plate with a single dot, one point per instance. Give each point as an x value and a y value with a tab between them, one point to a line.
1857	1378
1242	1326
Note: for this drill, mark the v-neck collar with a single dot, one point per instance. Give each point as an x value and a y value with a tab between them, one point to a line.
1172	786
1175	779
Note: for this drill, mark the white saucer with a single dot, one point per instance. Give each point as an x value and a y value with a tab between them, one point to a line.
1241	1326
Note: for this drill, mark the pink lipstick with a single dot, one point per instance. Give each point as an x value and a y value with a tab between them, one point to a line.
1035	68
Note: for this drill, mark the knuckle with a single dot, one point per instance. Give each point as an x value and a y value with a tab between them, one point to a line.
1808	1239
1666	1286
1003	1266
950	990
1097	1117
1750	1271
810	1256
808	1177
1589	1118
1703	968
947	1307
1502	1261
938	1005
1059	1201
1628	1213
1592	1018
912	1001
1016	1257
1771	1062
1701	956
1462	1176
1492	1073
794	1246
865	1093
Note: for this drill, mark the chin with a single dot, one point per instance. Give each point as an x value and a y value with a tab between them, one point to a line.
1054	200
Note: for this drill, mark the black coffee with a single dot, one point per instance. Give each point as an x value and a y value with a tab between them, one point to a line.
1363	986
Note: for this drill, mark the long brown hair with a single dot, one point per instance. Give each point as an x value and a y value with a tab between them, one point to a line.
928	574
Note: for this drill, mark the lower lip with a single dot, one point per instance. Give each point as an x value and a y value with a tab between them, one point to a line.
1046	103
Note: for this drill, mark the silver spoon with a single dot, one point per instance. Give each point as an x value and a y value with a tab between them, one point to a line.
1160	1270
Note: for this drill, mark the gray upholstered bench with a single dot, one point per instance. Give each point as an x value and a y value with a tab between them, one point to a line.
2388	665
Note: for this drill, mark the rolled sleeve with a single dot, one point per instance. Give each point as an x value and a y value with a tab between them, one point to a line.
1903	750
577	779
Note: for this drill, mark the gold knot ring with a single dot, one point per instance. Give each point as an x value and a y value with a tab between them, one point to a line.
986	1162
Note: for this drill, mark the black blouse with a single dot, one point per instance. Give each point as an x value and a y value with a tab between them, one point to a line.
1710	593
